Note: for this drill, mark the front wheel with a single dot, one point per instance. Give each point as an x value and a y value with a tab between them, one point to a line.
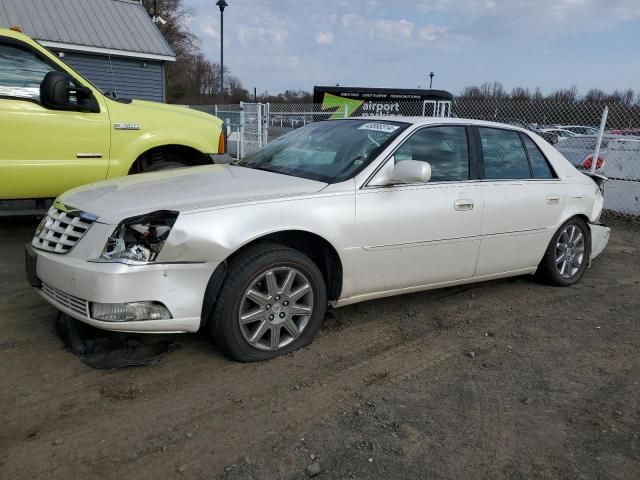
271	303
567	256
159	166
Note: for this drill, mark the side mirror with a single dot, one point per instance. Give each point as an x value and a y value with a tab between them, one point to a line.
58	91
411	171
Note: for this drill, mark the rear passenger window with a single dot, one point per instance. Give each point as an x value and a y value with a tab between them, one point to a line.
444	148
504	155
539	163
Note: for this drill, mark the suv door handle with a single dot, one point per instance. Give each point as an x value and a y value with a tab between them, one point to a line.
463	205
553	199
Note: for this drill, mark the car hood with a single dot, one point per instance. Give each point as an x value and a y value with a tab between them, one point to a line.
144	107
184	190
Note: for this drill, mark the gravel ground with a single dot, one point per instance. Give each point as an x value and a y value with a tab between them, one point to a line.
508	379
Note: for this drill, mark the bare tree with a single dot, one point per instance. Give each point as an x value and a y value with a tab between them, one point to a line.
537	95
488	90
235	91
493	90
520	94
192	78
471	93
288	96
565	95
595	95
626	96
181	40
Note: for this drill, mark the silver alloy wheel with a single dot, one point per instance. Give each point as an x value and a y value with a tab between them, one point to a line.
276	308
570	251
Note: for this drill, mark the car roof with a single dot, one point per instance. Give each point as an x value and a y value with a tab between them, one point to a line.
438	121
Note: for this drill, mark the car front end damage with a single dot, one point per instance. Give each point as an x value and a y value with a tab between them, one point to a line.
107	275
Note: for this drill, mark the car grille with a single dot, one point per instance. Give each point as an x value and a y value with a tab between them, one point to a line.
61	229
75	304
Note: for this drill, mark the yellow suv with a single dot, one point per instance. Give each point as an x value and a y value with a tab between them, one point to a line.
58	131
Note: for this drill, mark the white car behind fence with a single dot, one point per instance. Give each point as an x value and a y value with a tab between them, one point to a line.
619	161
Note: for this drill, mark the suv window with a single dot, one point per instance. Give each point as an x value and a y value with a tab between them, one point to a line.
21	72
445	148
504	155
539	164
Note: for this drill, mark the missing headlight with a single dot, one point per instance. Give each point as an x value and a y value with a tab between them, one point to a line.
139	239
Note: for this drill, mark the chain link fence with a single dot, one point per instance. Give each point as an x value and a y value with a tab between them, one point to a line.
230	115
571	127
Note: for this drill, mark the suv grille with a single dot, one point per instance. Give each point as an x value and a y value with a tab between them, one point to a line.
61	229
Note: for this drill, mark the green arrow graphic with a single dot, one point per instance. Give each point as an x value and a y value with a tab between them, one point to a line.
333	101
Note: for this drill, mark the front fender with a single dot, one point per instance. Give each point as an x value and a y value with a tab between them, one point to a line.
155	125
216	234
126	151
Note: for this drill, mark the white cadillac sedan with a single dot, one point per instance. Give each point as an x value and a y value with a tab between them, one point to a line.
333	213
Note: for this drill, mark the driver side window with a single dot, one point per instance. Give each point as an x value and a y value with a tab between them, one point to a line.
444	148
21	72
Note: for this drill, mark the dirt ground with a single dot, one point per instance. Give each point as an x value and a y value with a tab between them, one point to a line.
388	390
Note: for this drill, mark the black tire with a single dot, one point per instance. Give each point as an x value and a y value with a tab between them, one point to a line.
158	166
243	270
549	272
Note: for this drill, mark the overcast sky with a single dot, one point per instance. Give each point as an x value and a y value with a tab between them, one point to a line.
276	45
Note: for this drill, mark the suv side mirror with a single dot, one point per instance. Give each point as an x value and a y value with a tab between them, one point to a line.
411	171
58	91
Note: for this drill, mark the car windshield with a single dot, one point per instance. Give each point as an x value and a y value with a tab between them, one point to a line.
329	151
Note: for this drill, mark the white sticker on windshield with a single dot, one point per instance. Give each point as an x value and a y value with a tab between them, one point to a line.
379	127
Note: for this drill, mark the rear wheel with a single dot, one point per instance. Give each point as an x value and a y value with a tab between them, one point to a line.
567	255
271	303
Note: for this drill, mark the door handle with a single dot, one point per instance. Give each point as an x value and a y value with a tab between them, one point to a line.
463	205
553	199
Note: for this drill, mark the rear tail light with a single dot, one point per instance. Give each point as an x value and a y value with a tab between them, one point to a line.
222	140
587	163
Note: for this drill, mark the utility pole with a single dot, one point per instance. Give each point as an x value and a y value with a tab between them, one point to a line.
222	4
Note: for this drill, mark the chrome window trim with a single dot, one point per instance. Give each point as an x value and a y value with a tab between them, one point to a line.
528	134
419	184
518	180
365	185
135	263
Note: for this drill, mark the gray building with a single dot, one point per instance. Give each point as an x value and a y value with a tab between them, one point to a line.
113	43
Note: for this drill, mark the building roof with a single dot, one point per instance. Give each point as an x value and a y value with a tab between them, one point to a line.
110	27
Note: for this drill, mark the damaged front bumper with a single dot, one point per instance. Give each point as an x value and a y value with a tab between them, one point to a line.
73	286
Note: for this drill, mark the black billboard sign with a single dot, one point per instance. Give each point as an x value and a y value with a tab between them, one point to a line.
354	101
